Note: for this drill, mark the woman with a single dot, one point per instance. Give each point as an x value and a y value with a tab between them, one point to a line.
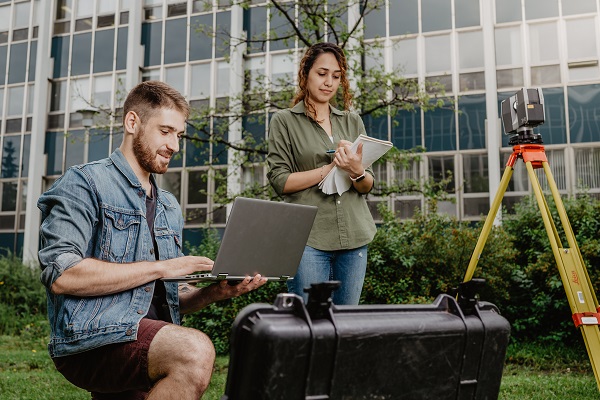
305	143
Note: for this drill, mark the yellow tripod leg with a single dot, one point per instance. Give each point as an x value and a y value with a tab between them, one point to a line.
487	226
571	269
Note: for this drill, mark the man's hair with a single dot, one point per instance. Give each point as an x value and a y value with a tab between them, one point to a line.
150	96
306	64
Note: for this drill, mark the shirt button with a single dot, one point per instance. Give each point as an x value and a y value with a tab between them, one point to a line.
151	251
140	194
339	202
140	312
147	288
129	332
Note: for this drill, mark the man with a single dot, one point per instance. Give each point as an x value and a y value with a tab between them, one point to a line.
108	236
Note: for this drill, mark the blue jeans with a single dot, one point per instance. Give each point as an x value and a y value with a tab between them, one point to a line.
346	266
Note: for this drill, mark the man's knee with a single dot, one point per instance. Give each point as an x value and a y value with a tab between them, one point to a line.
179	350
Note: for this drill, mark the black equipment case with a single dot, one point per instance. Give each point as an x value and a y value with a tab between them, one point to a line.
445	350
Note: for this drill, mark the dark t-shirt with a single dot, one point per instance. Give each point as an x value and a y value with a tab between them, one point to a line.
158	308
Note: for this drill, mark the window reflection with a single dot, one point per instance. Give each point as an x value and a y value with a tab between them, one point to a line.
471	122
11	156
475	167
584	112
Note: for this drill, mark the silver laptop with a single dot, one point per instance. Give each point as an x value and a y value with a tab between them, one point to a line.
261	237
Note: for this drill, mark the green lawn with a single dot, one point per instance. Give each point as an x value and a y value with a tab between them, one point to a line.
27	373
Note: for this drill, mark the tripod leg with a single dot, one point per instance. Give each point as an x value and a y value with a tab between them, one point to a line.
487	226
580	294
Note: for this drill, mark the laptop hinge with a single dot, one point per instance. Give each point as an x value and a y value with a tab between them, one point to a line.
284	277
222	276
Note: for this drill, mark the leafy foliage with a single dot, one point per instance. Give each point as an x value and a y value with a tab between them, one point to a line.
22	298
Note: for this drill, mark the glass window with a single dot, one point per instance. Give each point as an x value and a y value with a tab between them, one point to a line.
584	72
16	95
175	76
22	11
32	61
255	69
587	165
404	17
471	122
75	148
152	41
63	9
80	94
102	91
26	150
472	81
475	167
541	9
3	57
578	7
466	12
122	49
222	88
576	30
9	197
280	28
84	9
437	53
282	71
508	46
406	129
223	34
175	40
440	167
546	75
197	186
11	156
5	18
543	42
60	53
174	10
584	109
509	78
104	50
197	151
440	130
508	10
405	57
376	127
470	46
171	182
254	130
255	22
54	150
58	96
554	129
436	15
200	80
1	101
98	145
82	51
374	22
106	6
200	41
18	61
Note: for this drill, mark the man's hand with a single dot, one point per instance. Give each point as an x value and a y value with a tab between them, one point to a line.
186	265
192	299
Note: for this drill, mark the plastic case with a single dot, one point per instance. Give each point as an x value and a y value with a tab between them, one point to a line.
320	351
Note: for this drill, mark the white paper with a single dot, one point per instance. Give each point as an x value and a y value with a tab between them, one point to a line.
338	181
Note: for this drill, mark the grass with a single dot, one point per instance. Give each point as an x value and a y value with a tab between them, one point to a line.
532	372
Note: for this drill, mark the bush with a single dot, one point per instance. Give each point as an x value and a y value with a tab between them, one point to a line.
22	296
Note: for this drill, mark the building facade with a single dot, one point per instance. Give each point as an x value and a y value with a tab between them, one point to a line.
61	57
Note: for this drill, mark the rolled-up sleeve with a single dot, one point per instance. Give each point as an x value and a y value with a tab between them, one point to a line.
69	218
279	155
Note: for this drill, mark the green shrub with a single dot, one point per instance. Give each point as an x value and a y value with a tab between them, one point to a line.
22	296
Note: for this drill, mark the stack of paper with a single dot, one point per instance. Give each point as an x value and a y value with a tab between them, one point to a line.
338	181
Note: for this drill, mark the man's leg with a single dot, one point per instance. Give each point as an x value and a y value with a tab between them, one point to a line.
180	362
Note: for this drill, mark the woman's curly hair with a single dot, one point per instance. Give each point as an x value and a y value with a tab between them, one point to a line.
306	64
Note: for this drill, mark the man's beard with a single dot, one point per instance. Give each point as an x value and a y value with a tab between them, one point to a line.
146	157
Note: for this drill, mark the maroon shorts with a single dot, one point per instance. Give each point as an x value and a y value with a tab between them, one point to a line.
115	371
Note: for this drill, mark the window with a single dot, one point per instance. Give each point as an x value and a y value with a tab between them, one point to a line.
508	10
405	57
471	122
152	41
437	54
175	40
200	80
475	168
578	7
436	15
466	12
404	17
541	9
584	108
200	37
470	50
81	56
406	129
103	50
440	130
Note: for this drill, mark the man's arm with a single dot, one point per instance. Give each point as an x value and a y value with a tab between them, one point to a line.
92	277
192	299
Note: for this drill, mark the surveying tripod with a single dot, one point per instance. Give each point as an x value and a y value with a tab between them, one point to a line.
574	276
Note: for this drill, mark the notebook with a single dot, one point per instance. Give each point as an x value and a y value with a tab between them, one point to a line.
261	237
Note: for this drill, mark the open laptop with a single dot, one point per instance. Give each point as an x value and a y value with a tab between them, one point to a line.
261	237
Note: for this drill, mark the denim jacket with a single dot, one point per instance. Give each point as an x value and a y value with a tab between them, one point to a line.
98	210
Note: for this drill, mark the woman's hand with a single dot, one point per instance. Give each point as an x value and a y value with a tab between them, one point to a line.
347	160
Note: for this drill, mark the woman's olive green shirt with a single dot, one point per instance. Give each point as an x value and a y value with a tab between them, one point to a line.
297	143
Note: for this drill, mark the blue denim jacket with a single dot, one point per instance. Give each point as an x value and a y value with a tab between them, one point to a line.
98	210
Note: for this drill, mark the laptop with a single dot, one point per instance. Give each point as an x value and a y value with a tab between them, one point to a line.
261	237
